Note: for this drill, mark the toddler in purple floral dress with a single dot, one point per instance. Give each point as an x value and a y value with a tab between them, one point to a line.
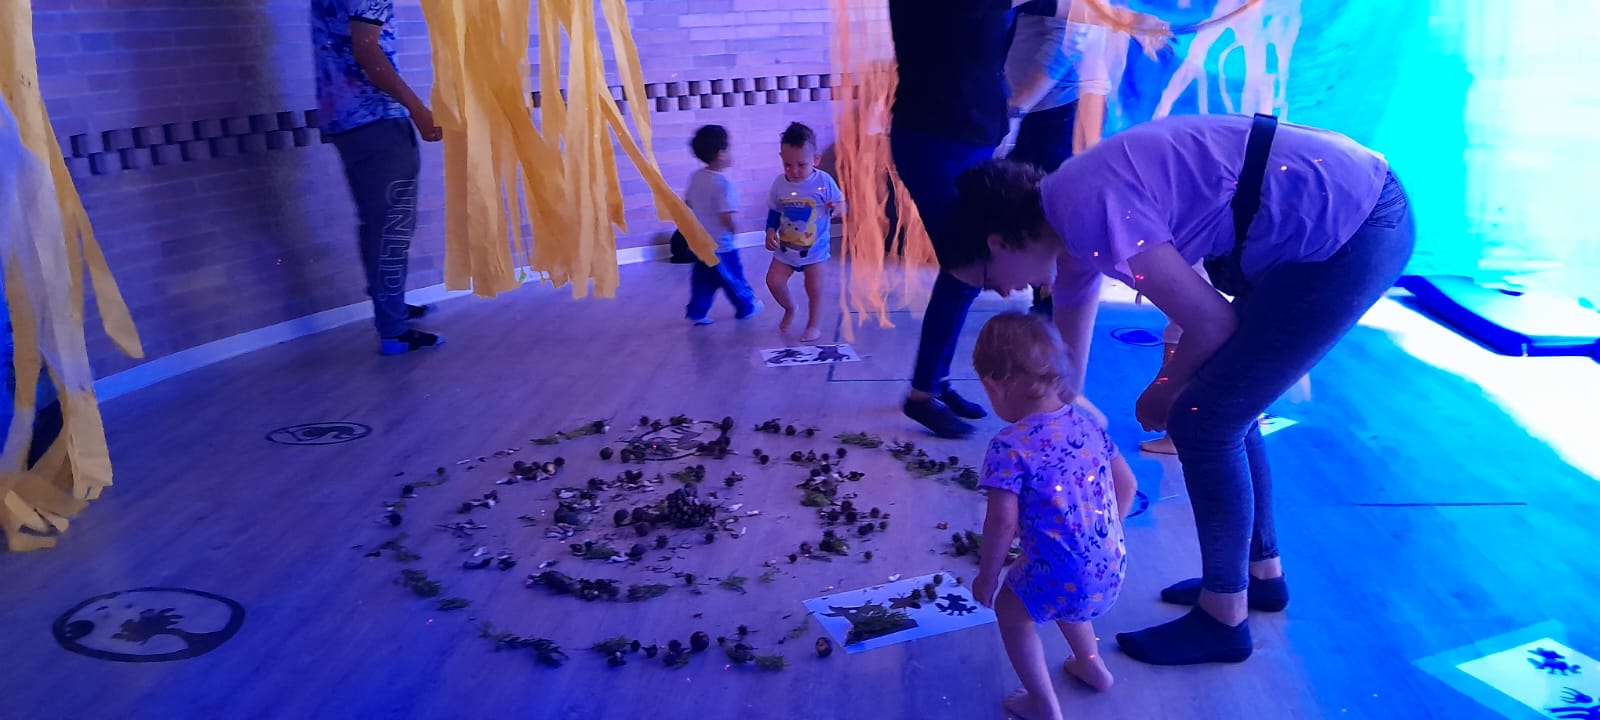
1054	477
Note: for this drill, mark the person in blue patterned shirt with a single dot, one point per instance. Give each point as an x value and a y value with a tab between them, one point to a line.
367	110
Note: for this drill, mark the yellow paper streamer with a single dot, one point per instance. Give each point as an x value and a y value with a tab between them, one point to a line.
45	243
561	177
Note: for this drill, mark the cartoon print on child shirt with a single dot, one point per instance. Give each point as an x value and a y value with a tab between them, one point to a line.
797	223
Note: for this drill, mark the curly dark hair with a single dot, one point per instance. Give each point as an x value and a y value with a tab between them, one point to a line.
997	197
708	141
797	135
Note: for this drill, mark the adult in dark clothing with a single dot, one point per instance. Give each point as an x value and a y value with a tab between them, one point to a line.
949	115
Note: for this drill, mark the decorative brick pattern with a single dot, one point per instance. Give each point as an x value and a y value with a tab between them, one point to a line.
138	148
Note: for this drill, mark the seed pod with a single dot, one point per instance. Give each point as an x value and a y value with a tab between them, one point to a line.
605	453
699	641
824	648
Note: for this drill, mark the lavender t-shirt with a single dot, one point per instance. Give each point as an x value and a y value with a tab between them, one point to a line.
1171	181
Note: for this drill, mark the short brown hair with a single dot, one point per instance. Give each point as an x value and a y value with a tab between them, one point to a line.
797	135
1018	347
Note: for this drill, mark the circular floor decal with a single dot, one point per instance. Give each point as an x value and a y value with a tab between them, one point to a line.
149	625
1141	503
325	433
1137	336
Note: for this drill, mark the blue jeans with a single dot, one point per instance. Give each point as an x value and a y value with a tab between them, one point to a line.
928	166
727	276
381	163
1293	316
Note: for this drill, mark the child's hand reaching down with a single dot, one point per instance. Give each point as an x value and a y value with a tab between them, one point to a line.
772	241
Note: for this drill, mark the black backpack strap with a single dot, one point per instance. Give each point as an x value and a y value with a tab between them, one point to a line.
1247	200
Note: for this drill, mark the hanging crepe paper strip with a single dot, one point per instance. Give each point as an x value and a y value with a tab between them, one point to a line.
885	273
561	176
45	243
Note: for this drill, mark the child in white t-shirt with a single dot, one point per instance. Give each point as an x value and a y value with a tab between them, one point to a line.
712	197
801	209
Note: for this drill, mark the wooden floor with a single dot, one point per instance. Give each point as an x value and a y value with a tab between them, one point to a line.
1415	514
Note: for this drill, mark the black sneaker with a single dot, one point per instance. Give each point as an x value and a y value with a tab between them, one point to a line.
418	312
937	418
961	406
408	341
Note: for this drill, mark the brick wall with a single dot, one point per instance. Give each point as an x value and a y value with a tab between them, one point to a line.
186	126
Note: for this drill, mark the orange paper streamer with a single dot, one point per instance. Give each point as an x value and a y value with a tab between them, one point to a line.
875	281
878	282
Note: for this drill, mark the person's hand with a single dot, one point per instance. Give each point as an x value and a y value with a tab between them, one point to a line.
1155	405
772	242
1152	33
1153	37
422	117
985	589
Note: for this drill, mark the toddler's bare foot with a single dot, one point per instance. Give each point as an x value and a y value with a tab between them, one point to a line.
1027	707
812	334
1092	672
786	322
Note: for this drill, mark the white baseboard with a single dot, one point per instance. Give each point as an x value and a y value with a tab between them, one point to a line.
178	363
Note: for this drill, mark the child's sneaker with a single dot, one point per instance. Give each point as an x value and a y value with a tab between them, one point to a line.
418	312
700	321
408	341
755	307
